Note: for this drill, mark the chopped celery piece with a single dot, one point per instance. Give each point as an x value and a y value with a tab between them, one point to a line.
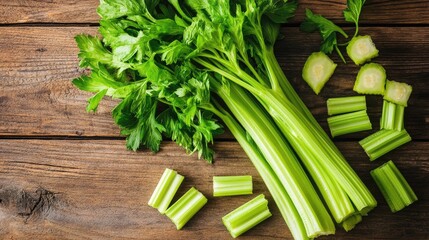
351	222
349	123
247	216
393	186
392	116
186	207
345	104
383	141
370	79
232	185
165	190
361	49
317	70
397	92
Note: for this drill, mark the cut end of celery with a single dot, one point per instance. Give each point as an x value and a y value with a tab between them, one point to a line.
317	70
392	184
361	49
349	123
232	185
370	79
165	190
397	92
383	141
351	222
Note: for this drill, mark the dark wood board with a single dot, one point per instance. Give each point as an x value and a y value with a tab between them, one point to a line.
95	189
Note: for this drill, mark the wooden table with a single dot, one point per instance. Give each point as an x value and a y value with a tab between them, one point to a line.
65	174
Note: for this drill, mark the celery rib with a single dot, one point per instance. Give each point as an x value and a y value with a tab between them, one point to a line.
349	123
392	116
247	216
232	185
392	184
186	207
165	190
383	141
345	104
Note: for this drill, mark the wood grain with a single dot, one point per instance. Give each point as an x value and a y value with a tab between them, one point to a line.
95	189
38	64
61	11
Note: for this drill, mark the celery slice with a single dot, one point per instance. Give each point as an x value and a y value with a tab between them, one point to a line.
361	49
317	70
186	207
392	116
349	123
351	222
393	186
247	216
370	79
383	141
232	185
165	190
345	104
397	92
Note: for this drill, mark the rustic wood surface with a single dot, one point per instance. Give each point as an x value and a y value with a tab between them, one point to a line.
65	174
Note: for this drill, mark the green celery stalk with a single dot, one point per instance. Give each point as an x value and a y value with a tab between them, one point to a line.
232	185
186	207
392	116
349	123
247	216
165	190
383	141
393	186
345	104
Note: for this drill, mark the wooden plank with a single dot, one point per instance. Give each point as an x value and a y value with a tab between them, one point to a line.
61	11
95	189
37	65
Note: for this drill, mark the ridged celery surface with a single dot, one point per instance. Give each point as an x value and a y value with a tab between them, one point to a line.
247	216
232	185
383	141
165	190
349	123
393	186
345	104
186	207
392	116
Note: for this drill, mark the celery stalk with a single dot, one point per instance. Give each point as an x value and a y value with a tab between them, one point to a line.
165	190
383	141
349	123
345	104
186	207
392	116
247	216
232	185
393	186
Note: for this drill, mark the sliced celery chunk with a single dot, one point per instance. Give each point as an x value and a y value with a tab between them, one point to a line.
392	116
186	207
383	141
393	186
397	92
351	222
361	49
349	123
165	190
345	104
232	185
247	216
317	70
370	79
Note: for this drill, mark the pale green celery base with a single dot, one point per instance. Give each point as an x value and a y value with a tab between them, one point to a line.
282	199
314	215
